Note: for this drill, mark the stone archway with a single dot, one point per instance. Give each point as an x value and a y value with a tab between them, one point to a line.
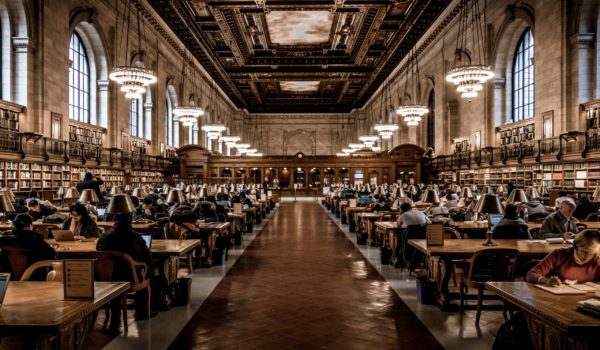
301	140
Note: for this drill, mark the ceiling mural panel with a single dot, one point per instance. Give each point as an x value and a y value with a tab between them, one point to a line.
305	56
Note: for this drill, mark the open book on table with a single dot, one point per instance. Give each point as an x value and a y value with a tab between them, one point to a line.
565	289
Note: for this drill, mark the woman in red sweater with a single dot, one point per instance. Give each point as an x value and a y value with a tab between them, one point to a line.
580	263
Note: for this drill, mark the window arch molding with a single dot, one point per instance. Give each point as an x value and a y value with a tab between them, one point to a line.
98	67
517	21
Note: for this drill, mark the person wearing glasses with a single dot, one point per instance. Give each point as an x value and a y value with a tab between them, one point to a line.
579	263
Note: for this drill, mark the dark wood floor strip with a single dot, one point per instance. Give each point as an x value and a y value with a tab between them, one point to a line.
302	285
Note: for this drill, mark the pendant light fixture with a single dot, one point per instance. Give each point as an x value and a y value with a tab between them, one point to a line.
213	131
188	114
385	130
412	112
469	70
368	140
132	78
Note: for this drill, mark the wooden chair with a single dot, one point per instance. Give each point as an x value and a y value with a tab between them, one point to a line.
44	229
592	217
580	226
451	233
45	264
485	266
182	231
534	233
18	260
117	266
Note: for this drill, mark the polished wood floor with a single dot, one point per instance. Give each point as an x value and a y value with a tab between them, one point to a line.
303	285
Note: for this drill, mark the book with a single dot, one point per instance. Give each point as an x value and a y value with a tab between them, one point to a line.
563	289
587	287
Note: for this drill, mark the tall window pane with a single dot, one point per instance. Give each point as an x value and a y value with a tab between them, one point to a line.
169	124
79	81
134	114
523	97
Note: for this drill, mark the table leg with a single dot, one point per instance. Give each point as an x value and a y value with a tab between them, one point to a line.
443	290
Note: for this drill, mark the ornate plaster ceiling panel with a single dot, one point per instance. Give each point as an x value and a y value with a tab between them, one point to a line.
304	56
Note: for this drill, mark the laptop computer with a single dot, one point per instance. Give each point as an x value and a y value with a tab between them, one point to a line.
100	211
495	218
4	279
148	240
63	235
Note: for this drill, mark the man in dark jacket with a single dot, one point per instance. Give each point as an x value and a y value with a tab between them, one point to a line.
92	182
122	238
38	210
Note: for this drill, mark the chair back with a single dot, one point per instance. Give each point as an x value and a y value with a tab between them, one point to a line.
534	233
516	231
450	233
581	226
44	230
47	265
17	258
117	266
592	217
180	230
493	265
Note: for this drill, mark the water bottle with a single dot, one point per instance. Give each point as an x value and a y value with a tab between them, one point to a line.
525	215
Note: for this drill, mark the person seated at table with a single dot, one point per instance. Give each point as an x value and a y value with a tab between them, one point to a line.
35	195
511	226
80	222
560	224
451	202
579	263
585	208
122	238
206	210
535	210
410	216
381	205
24	237
437	209
20	207
38	210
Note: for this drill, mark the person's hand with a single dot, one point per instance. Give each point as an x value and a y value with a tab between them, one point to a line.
551	281
568	235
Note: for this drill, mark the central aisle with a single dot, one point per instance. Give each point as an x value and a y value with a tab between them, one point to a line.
302	284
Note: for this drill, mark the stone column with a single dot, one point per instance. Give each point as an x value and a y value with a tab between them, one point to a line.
20	48
176	127
102	108
147	121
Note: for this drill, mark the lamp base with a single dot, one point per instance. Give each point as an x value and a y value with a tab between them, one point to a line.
489	242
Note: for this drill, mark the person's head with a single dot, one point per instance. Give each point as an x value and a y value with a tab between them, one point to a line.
23	222
211	199
123	219
148	201
33	194
34	205
566	206
584	200
586	245
449	196
135	201
404	207
78	212
511	212
88	176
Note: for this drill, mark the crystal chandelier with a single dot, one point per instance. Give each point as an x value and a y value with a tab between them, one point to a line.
213	131
133	79
342	154
469	76
356	146
348	150
412	113
368	140
241	146
188	115
386	131
230	139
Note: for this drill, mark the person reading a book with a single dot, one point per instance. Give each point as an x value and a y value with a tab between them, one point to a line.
580	263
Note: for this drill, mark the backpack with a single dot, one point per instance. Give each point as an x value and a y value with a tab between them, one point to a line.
513	334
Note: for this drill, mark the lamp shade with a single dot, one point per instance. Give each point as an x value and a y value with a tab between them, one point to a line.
175	196
412	189
517	196
72	193
489	204
501	189
127	188
138	192
431	196
532	192
88	196
115	190
474	188
202	193
455	188
9	193
543	190
60	192
120	203
6	204
377	191
467	193
487	189
596	195
399	193
190	189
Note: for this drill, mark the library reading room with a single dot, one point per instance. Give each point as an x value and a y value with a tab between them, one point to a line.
300	174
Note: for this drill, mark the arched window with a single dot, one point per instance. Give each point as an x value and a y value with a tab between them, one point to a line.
523	85
135	127
79	81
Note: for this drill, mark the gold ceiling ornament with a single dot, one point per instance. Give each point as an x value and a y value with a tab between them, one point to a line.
469	76
412	112
133	78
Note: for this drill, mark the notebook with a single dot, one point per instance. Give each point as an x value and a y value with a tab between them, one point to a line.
563	289
63	235
4	279
495	218
148	240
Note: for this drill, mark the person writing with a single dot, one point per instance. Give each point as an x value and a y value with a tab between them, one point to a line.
560	224
80	222
580	263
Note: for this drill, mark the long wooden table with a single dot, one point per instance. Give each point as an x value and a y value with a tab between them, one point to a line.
38	310
553	320
454	249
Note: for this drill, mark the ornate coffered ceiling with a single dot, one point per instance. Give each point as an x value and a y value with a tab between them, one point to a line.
312	56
